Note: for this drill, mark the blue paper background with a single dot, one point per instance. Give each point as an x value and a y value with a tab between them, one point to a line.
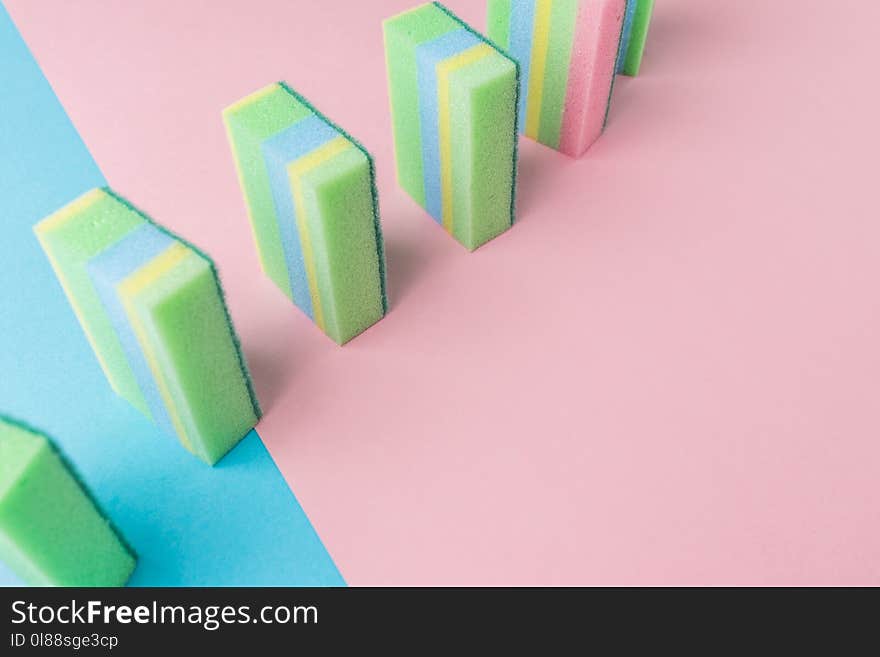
235	524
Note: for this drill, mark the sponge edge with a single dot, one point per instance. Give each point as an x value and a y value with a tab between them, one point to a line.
626	34
480	95
52	532
631	63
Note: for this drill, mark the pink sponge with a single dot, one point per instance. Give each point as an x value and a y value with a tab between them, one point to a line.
567	52
591	75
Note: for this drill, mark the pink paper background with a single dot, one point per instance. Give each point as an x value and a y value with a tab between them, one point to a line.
667	372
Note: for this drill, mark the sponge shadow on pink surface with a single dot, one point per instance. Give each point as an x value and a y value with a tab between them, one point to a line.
407	260
275	351
270	373
678	34
538	166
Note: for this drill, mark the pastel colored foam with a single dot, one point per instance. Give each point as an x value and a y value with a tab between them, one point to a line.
153	310
51	531
454	111
312	201
567	50
107	270
635	35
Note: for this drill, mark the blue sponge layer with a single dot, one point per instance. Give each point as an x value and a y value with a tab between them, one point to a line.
626	35
278	152
107	270
428	55
522	25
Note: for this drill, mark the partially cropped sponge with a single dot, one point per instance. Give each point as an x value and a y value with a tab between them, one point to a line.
635	34
567	51
313	206
454	111
51	531
153	310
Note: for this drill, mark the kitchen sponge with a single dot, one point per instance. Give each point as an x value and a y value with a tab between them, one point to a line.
51	531
454	113
567	51
311	196
635	34
153	310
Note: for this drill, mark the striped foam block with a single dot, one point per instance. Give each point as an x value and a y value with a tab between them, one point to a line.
567	51
453	104
153	310
312	201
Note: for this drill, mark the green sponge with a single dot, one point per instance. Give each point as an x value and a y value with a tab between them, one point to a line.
152	307
313	205
51	531
454	110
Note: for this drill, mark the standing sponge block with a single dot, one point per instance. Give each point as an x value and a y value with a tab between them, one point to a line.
567	51
454	112
635	34
51	531
153	310
311	196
